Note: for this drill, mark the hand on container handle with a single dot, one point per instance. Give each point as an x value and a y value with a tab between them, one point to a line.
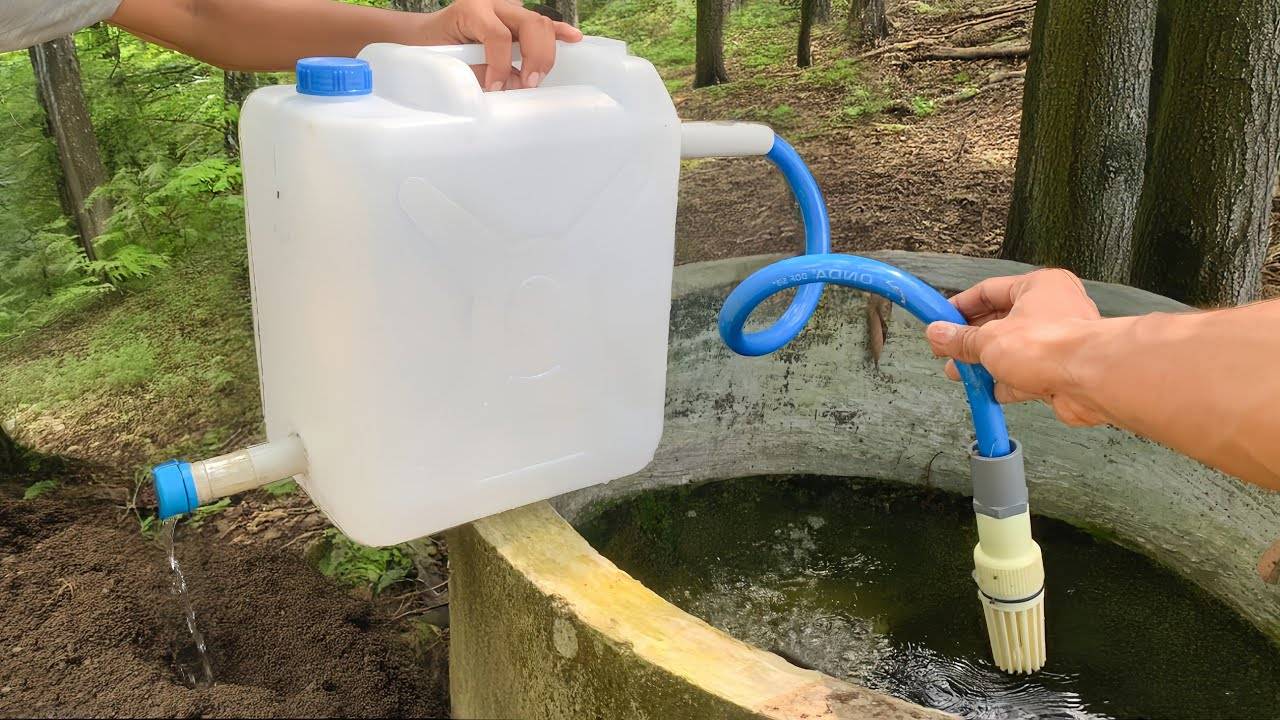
496	24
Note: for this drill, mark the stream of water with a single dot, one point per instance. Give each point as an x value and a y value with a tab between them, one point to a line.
872	584
178	586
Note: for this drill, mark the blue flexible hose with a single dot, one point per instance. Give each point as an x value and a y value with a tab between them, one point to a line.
818	266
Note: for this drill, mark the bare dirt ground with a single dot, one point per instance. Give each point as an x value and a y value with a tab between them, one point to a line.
898	181
91	629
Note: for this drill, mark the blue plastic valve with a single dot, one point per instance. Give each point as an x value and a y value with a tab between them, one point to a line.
175	488
334	76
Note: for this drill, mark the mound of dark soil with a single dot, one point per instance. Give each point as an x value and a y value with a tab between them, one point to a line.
91	629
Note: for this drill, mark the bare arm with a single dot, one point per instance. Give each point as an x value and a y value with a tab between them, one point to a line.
265	35
1203	383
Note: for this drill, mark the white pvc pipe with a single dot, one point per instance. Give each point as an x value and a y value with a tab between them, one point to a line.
724	139
249	468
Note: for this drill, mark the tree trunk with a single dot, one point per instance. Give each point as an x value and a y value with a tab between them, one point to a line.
568	11
236	86
709	49
804	45
822	11
416	5
11	454
1202	228
60	93
868	23
1083	138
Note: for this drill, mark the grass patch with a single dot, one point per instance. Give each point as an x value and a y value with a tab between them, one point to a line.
862	102
660	31
165	371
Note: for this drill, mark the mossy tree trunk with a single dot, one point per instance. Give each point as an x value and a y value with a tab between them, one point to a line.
709	44
804	43
868	21
1202	228
1083	141
236	86
61	95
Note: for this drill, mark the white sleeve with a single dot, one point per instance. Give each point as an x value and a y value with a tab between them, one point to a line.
24	23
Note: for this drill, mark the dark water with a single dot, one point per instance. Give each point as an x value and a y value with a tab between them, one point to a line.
872	583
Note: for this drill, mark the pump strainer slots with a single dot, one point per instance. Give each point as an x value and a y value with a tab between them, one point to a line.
461	300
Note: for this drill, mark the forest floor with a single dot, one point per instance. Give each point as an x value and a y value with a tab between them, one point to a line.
911	154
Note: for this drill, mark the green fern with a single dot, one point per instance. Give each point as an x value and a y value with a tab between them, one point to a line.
126	264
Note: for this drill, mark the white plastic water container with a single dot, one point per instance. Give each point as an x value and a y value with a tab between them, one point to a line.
461	298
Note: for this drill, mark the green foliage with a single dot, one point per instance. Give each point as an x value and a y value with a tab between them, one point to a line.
354	564
158	116
923	107
862	102
280	488
660	31
36	489
68	378
148	526
201	514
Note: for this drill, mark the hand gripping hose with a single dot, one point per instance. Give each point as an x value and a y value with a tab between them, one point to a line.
1008	566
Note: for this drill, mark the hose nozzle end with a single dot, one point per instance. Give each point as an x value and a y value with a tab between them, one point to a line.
1016	630
175	488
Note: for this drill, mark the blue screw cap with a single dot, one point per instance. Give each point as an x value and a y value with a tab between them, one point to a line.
175	488
334	76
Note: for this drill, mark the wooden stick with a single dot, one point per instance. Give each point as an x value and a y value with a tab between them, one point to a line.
981	52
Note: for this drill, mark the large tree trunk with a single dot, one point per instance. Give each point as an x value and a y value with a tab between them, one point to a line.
868	23
236	86
804	44
1202	228
59	90
709	49
1083	139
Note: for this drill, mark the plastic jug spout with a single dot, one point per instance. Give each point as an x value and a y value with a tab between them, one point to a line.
183	486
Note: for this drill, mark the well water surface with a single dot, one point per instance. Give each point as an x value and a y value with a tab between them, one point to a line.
202	675
871	583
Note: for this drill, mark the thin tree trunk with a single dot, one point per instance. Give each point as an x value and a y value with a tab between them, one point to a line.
236	86
1202	229
709	46
11	454
568	10
1083	138
61	94
804	44
416	5
868	23
822	11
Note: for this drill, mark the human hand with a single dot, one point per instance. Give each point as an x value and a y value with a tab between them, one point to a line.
496	24
1027	330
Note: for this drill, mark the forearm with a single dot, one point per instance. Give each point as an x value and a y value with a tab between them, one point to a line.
1205	384
267	35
